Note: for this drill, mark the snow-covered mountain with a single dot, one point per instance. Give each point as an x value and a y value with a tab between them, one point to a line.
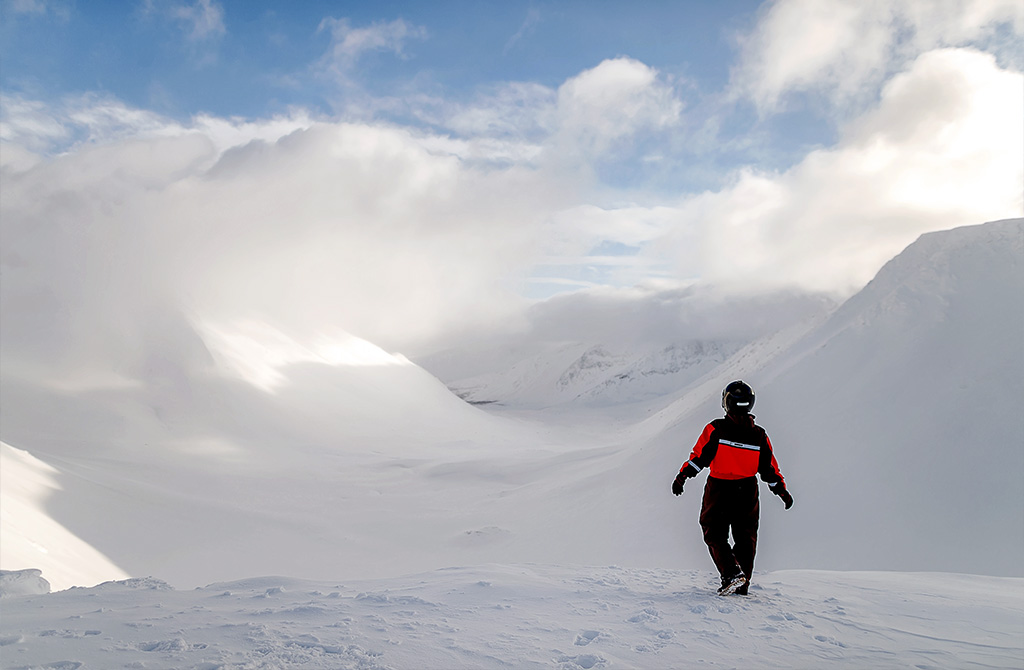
897	420
856	406
217	474
618	355
594	375
901	415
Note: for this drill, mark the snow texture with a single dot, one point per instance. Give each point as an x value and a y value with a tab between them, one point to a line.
22	583
527	617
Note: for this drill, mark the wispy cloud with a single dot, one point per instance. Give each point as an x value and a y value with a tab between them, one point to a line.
26	6
28	9
349	43
202	21
594	115
529	23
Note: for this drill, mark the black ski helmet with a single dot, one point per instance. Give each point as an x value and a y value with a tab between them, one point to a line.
737	398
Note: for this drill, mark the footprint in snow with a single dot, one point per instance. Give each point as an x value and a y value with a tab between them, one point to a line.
585	661
648	614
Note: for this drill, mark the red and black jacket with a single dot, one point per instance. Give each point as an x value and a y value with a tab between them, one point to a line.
734	450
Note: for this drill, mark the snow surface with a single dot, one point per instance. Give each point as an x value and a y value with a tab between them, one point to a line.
529	616
30	537
22	583
230	450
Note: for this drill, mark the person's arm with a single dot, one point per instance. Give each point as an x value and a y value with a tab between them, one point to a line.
768	467
770	473
703	452
701	456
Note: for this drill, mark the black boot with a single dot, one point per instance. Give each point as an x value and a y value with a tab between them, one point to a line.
732	584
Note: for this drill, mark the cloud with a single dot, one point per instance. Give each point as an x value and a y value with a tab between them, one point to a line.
12	11
49	129
604	113
845	49
203	20
26	6
127	235
529	23
349	44
941	149
619	98
29	124
120	252
651	314
522	109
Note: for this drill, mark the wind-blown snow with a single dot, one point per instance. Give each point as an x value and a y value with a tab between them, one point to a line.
530	616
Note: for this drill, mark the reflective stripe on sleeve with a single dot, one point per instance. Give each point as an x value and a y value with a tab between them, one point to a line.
695	466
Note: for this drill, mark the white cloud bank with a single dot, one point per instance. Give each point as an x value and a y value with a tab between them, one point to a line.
143	226
846	48
944	147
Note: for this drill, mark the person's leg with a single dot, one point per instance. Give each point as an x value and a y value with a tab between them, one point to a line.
746	512
714	521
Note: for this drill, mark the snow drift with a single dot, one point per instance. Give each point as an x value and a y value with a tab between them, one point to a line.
531	616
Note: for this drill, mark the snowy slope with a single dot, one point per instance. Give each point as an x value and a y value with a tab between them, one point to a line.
889	473
902	415
32	538
335	468
527	617
897	421
343	470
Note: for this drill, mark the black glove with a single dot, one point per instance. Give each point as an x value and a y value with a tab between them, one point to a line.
786	498
778	489
677	484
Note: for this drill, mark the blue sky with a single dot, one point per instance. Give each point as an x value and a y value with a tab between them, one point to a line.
153	55
407	170
257	59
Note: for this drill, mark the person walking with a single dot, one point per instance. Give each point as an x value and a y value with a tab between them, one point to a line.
736	449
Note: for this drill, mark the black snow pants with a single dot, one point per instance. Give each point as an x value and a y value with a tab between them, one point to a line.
731	504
